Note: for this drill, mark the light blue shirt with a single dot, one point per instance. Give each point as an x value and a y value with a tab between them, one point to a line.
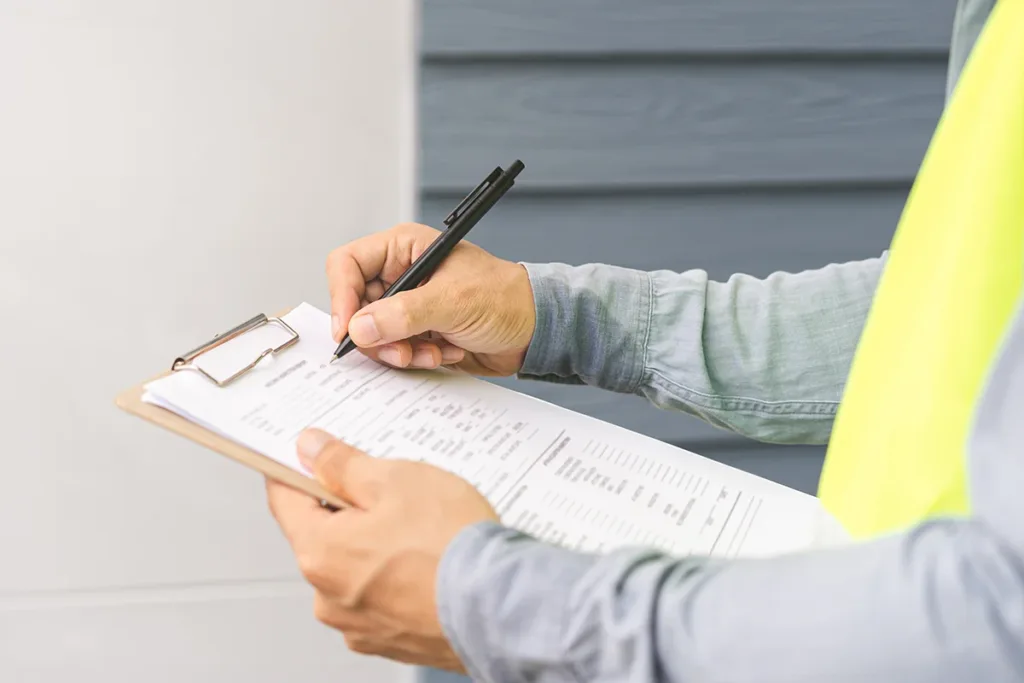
767	358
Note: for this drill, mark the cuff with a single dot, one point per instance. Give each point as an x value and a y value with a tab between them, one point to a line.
592	325
503	602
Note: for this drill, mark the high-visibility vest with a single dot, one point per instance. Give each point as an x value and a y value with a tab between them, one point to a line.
897	454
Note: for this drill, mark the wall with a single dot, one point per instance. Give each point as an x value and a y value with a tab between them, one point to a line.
734	136
166	169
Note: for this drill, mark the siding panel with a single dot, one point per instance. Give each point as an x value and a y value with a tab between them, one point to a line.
642	125
463	28
754	232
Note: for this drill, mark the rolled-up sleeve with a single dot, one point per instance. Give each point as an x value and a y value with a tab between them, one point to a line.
591	327
762	357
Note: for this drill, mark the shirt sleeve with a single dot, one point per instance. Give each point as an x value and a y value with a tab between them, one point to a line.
941	602
766	358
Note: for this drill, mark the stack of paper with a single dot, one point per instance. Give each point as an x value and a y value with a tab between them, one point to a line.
558	475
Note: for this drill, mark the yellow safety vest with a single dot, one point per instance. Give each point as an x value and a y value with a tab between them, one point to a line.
952	281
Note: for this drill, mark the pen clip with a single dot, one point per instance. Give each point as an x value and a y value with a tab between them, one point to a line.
473	196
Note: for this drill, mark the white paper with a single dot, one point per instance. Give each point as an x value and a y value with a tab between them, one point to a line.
558	475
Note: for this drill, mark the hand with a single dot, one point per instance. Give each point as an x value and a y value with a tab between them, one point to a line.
475	313
374	565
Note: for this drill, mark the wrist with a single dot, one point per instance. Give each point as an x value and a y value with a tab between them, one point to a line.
521	290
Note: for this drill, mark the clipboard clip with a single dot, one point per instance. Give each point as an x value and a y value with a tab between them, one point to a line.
187	361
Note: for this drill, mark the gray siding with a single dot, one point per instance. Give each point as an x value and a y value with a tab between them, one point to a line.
530	28
734	136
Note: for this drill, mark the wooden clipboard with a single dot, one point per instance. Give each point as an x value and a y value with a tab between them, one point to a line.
131	402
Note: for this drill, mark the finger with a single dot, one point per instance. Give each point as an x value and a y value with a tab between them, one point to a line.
425	355
418	353
374	290
471	366
347	472
381	257
397	355
331	611
297	513
451	354
431	354
404	315
350	268
347	285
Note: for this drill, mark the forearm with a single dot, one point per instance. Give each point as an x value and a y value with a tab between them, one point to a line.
942	603
767	358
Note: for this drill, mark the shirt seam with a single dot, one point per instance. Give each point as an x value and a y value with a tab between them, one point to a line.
635	385
748	403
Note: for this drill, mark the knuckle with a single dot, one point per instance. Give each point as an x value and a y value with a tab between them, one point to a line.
403	312
322	610
464	289
330	469
314	568
360	644
411	227
335	257
467	298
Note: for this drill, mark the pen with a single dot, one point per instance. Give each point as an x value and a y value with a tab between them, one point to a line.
458	224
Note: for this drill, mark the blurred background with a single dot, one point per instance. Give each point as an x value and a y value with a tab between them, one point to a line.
167	166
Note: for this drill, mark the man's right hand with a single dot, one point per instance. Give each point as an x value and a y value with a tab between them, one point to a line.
475	313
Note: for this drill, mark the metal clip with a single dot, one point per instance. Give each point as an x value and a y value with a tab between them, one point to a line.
186	361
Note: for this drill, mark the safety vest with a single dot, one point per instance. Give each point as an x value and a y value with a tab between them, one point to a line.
950	285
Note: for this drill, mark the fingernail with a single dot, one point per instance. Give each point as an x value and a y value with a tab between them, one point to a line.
363	330
335	326
390	355
452	354
423	359
310	443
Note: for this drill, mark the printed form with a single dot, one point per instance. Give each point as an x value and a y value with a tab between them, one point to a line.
552	473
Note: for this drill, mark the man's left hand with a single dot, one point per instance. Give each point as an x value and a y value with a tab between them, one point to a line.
374	565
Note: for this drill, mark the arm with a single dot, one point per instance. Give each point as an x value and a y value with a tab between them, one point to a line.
943	602
766	358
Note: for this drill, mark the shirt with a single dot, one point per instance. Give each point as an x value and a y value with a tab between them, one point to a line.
766	358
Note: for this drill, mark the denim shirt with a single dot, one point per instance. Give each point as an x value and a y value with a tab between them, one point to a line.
766	358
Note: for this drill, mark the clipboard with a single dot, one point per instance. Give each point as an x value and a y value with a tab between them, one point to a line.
131	402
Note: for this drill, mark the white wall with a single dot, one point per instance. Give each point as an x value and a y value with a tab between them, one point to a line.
166	168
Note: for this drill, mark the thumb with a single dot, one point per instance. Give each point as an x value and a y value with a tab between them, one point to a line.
402	316
347	472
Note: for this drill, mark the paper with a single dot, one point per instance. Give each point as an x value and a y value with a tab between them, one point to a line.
555	474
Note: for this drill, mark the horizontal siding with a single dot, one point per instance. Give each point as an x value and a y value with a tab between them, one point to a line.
755	232
667	124
463	28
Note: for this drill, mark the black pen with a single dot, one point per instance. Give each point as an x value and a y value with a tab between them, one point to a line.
458	224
